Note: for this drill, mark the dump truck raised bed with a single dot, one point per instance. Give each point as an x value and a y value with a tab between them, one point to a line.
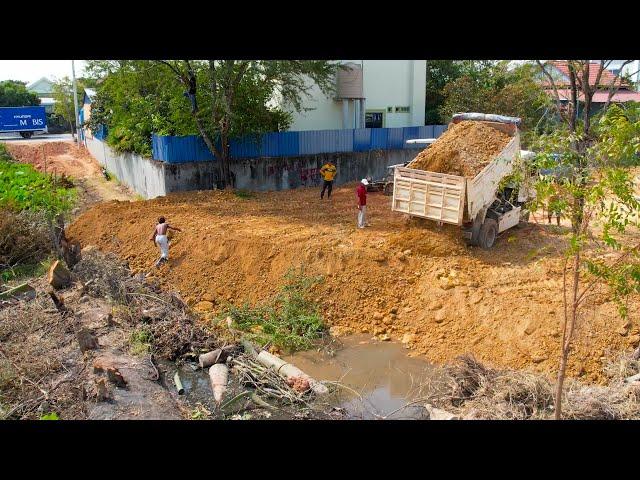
476	204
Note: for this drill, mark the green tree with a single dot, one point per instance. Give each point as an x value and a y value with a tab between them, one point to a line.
234	97
64	106
596	192
134	100
497	87
439	74
15	94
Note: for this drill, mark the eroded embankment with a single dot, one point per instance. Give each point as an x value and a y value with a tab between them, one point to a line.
405	279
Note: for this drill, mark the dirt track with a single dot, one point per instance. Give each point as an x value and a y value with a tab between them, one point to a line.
400	278
66	158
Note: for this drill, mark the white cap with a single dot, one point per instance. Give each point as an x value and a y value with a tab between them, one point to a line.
364	181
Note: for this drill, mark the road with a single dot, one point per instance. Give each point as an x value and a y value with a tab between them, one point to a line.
16	138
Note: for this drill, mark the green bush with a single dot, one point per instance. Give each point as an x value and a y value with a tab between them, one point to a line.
22	187
291	321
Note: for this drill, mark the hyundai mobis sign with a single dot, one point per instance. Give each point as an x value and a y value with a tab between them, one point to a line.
22	119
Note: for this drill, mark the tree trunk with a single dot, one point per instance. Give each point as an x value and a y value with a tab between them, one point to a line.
225	159
567	336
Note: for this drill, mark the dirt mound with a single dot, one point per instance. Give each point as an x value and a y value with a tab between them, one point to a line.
408	281
464	149
59	157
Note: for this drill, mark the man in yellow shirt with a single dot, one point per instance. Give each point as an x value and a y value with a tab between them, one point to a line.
328	172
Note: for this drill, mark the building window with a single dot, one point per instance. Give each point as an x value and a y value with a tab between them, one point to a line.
389	109
373	119
402	109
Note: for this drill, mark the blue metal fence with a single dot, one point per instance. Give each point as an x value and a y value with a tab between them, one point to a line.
290	144
101	133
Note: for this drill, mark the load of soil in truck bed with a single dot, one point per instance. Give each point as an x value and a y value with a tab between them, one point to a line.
464	149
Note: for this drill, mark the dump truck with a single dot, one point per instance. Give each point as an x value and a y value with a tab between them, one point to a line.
480	205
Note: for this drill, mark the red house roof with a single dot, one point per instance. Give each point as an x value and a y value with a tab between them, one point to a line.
600	96
594	67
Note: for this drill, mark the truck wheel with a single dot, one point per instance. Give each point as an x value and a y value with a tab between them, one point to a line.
488	233
388	189
26	134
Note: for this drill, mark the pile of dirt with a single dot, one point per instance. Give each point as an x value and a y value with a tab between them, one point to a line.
59	157
464	149
396	279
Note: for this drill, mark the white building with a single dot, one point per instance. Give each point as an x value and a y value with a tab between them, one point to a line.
44	89
372	94
632	69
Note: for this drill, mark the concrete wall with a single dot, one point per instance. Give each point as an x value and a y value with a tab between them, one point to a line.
143	175
386	83
282	173
151	178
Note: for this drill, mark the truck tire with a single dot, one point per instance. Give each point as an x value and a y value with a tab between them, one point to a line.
488	233
388	189
26	134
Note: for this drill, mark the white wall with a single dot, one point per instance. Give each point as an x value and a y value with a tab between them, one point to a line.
386	83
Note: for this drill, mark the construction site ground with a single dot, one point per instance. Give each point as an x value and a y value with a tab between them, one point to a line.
400	278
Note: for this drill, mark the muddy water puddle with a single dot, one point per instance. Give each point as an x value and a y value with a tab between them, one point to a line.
385	378
376	380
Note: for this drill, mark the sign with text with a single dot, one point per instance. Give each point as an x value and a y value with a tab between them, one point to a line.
22	119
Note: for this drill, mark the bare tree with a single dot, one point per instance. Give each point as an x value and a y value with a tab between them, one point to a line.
582	153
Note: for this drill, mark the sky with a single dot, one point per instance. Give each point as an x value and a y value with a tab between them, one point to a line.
31	70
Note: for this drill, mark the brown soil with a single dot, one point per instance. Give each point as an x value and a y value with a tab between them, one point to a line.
77	163
406	279
464	149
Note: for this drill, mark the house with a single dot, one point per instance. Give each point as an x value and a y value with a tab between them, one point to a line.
631	69
559	71
85	110
369	94
44	89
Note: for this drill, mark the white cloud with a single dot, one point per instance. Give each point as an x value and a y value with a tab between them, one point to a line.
31	70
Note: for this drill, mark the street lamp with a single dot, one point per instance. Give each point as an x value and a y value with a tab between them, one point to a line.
75	101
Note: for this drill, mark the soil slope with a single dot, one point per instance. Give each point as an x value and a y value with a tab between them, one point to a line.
400	278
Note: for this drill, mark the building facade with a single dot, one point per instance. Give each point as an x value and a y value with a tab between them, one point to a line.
371	94
44	89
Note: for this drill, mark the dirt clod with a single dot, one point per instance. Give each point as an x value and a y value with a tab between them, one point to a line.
115	377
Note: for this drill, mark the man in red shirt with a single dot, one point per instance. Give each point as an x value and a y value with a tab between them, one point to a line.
361	193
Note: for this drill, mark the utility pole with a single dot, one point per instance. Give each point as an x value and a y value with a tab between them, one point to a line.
75	101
